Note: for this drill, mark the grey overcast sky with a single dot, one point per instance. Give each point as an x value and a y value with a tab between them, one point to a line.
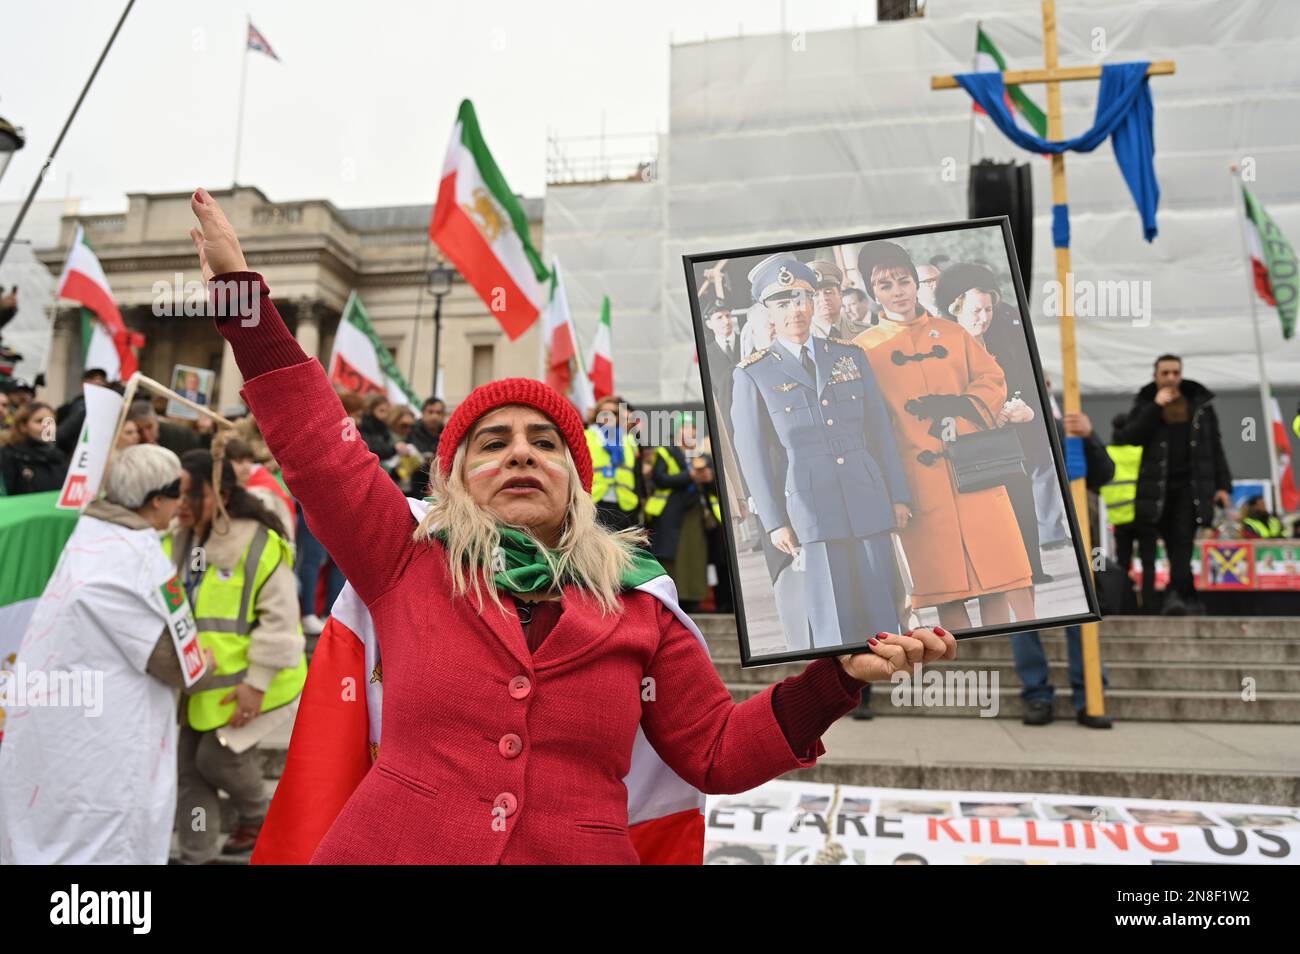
359	109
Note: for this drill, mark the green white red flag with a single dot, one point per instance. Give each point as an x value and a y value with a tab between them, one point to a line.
480	225
1273	262
602	356
1286	487
108	343
989	59
564	366
360	362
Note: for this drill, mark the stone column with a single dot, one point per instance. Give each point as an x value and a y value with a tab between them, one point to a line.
58	371
308	331
230	380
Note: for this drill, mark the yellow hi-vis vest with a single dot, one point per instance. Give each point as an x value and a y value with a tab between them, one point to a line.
1121	492
659	499
624	472
1266	528
225	612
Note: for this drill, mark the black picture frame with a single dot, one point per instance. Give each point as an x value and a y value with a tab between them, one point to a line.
690	262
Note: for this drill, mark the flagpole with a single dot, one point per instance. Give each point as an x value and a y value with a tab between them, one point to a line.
49	160
1265	392
415	332
970	139
239	121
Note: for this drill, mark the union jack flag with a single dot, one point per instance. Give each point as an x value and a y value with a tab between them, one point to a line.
258	42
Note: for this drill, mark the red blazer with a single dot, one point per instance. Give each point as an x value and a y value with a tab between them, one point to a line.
490	753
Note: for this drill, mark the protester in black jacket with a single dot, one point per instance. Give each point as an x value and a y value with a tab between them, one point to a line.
374	427
29	462
1184	472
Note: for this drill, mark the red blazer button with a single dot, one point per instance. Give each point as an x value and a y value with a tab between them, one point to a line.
520	687
510	745
507	803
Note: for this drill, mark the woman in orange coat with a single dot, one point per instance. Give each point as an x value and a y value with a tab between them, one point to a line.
933	374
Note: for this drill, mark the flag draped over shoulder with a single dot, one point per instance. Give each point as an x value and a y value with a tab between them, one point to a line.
336	739
1273	261
481	227
108	343
360	362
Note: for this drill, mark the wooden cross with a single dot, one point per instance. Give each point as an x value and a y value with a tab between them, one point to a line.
1054	75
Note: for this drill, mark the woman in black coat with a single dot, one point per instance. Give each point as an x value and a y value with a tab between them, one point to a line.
30	462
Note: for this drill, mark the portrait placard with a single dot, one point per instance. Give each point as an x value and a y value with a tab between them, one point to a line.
886	445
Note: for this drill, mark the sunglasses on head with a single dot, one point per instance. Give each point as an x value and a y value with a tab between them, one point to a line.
172	491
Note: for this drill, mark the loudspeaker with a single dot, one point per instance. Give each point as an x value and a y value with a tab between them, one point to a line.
1006	188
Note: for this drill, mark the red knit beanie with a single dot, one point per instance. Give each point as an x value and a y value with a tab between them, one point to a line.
530	393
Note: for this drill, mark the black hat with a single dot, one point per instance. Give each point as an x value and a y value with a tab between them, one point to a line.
17	384
958	279
875	255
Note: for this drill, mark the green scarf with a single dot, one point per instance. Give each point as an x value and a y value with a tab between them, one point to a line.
528	572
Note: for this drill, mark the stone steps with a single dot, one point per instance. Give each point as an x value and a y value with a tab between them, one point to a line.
1160	668
1145	705
1268	677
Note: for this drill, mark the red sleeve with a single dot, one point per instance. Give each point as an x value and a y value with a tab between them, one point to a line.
808	704
355	509
714	743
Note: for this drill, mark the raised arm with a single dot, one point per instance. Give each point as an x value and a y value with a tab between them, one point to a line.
352	506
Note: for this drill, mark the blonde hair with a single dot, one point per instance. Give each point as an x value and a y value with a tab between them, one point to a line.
588	555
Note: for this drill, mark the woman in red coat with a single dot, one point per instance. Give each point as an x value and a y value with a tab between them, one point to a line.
517	666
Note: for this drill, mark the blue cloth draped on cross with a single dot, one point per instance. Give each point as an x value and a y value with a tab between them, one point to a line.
1124	115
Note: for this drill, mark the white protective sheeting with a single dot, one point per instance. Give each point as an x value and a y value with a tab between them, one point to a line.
785	137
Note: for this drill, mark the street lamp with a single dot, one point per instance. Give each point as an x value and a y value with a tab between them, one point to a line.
440	279
11	140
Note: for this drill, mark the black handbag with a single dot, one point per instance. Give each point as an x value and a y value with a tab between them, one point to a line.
987	458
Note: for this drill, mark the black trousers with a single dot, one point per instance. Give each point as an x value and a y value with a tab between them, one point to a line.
1020	491
1177	527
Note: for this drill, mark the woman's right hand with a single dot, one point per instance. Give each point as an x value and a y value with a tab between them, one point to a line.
215	238
785	540
1014	411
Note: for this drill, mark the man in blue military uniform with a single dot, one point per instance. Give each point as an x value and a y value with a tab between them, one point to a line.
817	450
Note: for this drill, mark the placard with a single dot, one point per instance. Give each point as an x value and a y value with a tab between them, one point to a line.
884	418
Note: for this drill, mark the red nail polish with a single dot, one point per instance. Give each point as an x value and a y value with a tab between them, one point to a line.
872	642
941	631
198	196
909	632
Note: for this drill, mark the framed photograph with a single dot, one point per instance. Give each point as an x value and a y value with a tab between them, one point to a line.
196	384
884	441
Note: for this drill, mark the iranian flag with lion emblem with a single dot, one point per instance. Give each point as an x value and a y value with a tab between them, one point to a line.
481	227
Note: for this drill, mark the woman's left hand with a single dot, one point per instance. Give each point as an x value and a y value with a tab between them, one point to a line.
248	704
888	653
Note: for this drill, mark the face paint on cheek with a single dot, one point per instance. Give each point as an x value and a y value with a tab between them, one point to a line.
488	468
556	467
